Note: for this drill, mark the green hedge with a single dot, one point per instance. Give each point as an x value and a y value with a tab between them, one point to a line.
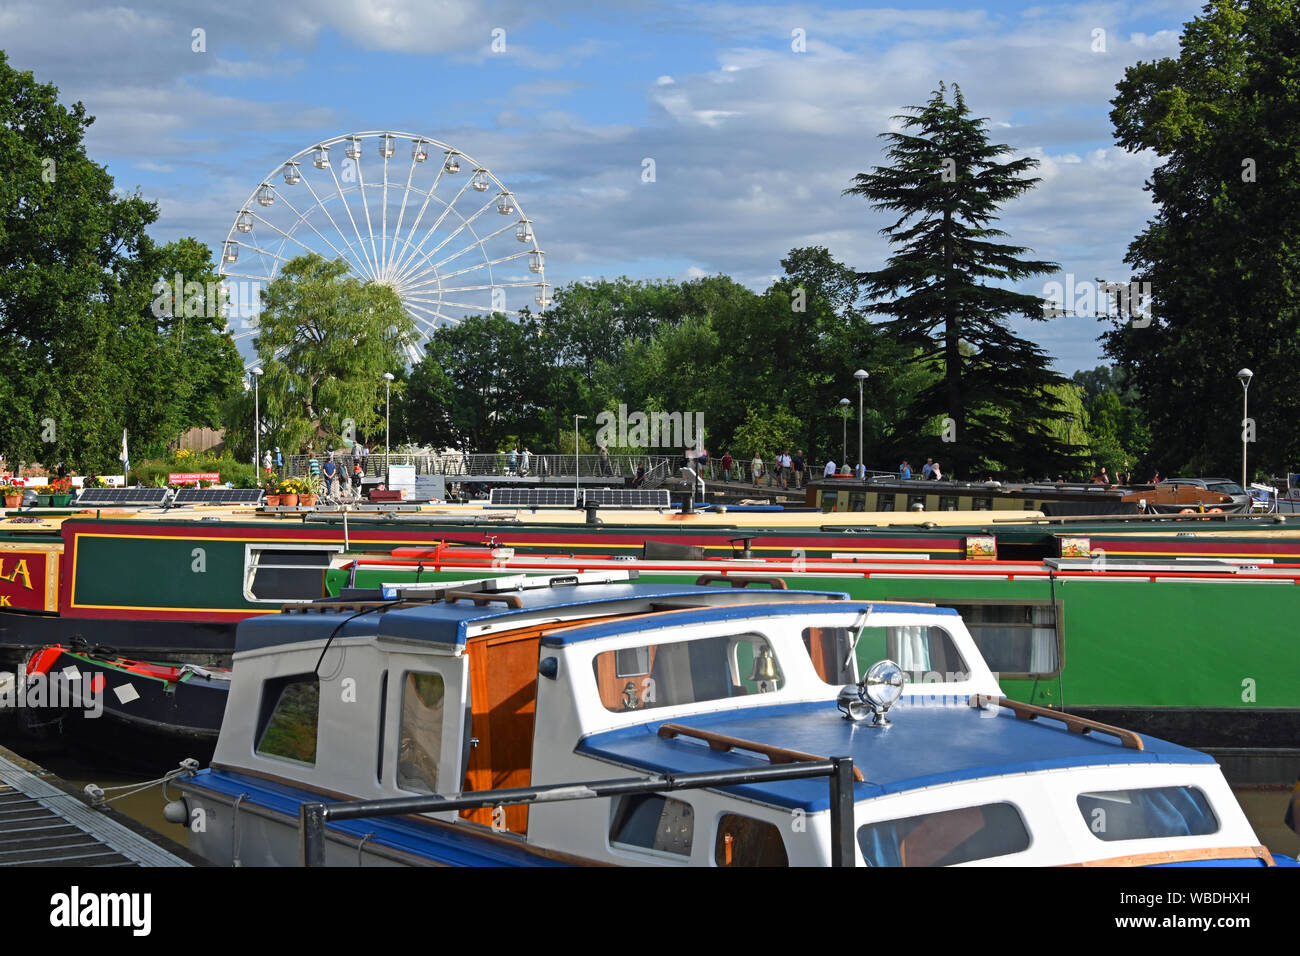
154	473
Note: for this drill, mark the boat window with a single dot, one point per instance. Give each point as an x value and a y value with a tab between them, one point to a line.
981	504
1014	638
857	501
830	501
1143	814
290	713
686	672
885	503
744	841
420	738
925	652
913	500
647	821
945	838
287	574
947	502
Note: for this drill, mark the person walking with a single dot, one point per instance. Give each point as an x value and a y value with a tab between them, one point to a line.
512	460
356	480
279	459
726	467
798	464
830	468
525	460
313	466
365	459
860	472
935	473
267	461
927	468
605	469
756	468
787	465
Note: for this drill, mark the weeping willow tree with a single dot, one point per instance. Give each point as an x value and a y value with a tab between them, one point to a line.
324	341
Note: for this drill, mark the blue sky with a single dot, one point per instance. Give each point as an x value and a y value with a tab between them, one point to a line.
752	140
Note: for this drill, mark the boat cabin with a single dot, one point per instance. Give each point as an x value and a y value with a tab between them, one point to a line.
487	686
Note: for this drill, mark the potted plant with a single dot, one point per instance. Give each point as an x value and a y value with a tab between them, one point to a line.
56	494
13	495
271	493
310	488
289	493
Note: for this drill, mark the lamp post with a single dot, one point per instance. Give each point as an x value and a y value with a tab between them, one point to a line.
577	487
844	436
1245	375
257	423
388	385
861	376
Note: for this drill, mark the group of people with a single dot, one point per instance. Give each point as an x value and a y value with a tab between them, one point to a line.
519	463
930	471
786	469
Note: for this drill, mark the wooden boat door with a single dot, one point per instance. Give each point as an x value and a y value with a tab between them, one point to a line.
503	704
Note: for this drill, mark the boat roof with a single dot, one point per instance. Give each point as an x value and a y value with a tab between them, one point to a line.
925	746
439	621
588	632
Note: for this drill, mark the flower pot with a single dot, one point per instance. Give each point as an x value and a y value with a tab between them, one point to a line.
13	501
273	501
288	501
53	501
307	501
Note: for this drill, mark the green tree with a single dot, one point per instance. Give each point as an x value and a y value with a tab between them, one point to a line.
1221	252
325	341
946	183
68	243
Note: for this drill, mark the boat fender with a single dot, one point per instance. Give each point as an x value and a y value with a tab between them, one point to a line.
177	811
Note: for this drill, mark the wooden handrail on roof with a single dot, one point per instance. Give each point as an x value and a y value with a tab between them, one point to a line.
723	742
744	581
480	599
1075	724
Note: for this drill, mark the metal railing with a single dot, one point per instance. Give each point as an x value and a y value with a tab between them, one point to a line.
312	817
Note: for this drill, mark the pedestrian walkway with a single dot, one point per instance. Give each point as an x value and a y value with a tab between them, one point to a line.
42	825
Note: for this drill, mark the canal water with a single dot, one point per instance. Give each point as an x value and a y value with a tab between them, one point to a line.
1265	806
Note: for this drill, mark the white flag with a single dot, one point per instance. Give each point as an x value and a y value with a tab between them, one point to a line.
125	458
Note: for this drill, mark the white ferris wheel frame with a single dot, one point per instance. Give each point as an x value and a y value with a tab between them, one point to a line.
389	257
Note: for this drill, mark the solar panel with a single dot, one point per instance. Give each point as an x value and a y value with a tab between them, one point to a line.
533	498
118	497
218	496
629	498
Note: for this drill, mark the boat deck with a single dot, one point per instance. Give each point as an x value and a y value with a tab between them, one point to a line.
43	825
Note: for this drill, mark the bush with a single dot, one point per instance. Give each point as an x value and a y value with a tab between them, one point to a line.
154	473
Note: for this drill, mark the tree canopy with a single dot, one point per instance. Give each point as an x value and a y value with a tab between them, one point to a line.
946	182
1223	249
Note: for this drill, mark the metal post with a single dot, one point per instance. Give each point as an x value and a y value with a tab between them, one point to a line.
311	823
388	381
577	485
841	782
861	376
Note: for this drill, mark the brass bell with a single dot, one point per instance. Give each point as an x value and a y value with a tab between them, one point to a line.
764	667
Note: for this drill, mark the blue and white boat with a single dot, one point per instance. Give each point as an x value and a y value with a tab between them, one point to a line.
523	683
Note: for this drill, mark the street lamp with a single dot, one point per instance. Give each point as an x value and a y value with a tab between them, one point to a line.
257	423
1245	375
861	376
1069	429
576	485
388	385
844	437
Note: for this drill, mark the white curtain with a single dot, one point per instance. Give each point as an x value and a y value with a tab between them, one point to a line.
911	647
1042	653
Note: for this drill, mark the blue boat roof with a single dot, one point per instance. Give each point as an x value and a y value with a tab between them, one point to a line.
925	746
448	623
726	613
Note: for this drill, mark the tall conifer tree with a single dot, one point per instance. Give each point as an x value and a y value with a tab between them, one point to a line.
946	182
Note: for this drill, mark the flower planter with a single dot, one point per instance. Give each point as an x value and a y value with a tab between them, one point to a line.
307	501
13	501
288	501
272	501
53	501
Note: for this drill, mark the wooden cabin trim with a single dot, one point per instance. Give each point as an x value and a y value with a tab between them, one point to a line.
1180	856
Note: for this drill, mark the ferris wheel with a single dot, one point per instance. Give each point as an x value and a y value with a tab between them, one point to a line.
437	227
